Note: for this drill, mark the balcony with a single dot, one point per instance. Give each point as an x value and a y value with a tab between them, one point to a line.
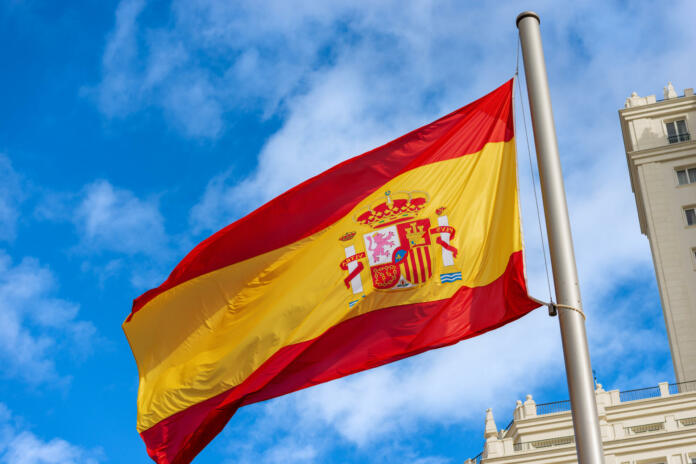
639	394
551	408
684	387
677	138
624	396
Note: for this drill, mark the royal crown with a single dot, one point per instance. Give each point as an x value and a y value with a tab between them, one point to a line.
347	236
398	207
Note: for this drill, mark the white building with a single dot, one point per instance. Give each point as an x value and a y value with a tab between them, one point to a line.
661	156
655	425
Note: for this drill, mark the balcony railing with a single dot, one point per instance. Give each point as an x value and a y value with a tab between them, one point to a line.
553	407
688	421
682	387
683	137
626	395
639	394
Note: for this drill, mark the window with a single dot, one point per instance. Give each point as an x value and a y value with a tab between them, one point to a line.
690	216
676	131
686	176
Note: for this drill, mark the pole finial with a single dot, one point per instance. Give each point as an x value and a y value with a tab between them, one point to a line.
524	14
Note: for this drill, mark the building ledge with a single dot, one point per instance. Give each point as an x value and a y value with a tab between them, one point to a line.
666	151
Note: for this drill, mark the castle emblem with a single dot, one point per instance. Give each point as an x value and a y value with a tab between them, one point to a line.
399	247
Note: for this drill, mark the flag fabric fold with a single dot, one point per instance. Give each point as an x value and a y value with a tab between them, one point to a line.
409	247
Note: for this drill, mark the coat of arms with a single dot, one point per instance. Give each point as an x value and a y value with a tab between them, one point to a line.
398	245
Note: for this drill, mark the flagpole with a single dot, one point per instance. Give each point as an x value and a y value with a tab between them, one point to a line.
571	318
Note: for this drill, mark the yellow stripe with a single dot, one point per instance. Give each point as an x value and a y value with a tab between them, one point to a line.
209	334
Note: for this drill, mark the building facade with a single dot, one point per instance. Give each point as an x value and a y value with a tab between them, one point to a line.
655	425
661	155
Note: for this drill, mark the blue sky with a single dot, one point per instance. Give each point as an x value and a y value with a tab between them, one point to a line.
131	130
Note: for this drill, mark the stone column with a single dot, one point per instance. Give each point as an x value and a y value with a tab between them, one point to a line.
664	388
493	446
519	411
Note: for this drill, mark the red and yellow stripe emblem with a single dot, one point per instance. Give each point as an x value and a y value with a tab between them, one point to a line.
409	247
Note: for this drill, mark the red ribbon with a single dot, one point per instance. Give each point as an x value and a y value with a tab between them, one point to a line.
446	246
443	229
353	273
350	259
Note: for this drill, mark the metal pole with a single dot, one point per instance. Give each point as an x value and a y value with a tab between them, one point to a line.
575	351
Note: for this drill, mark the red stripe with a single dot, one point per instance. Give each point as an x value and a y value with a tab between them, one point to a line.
421	264
322	200
411	255
406	268
366	341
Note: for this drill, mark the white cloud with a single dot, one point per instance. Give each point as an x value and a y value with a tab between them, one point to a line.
432	460
10	197
289	453
19	446
113	219
120	90
34	325
279	435
118	231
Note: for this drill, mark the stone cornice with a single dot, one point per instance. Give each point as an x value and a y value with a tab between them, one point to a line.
663	153
661	108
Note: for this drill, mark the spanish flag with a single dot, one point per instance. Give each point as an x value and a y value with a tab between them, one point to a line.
411	246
